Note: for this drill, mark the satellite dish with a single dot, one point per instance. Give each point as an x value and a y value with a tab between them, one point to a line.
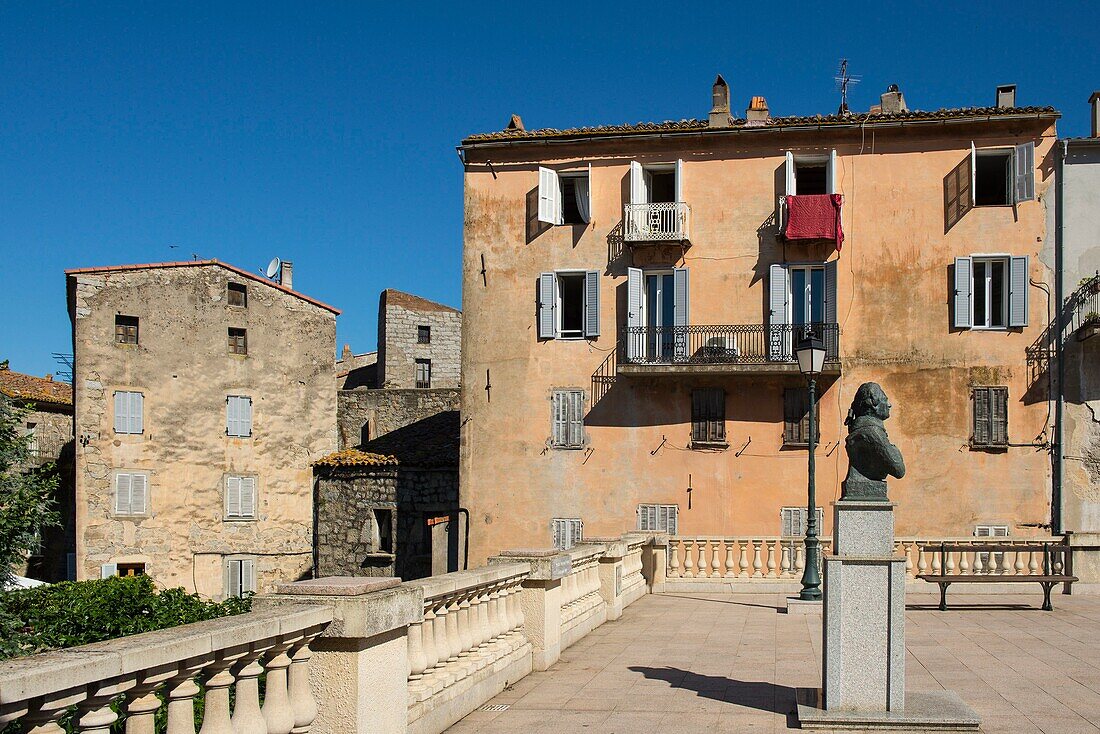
274	267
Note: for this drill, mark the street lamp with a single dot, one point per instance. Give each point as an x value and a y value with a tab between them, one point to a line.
811	357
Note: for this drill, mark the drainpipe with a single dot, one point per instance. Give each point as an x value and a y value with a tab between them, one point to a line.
1059	329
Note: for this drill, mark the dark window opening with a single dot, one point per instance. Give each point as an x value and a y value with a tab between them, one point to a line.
708	416
131	569
810	178
423	373
571	290
238	295
423	335
796	418
992	178
989	293
570	212
383	523
126	329
364	434
662	186
238	341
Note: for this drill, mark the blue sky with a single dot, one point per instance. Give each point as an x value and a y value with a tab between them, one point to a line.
324	133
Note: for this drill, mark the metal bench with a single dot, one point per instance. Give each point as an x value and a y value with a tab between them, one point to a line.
1057	568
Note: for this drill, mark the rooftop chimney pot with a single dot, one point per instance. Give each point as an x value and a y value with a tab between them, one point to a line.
892	101
287	275
720	103
346	355
1094	100
1006	96
757	113
515	123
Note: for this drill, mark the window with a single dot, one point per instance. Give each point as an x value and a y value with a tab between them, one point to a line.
423	335
708	416
240	576
659	518
423	373
569	305
993	177
658	183
990	417
238	416
811	174
990	561
796	417
657	303
238	341
793	521
126	329
991	292
382	536
567	532
240	498
237	295
129	408
131	493
565	197
800	295
567	412
110	570
31	436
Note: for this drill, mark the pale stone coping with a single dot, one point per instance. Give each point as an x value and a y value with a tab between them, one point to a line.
529	552
585	551
864	504
365	615
76	667
339	585
450	583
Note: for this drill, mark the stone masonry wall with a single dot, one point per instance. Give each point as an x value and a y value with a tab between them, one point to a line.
387	410
399	348
346	499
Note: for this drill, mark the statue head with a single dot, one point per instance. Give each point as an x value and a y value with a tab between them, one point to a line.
870	400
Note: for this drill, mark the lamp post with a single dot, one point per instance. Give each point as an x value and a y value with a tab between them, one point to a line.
811	357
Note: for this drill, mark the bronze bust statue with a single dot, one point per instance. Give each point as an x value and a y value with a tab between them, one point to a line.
871	456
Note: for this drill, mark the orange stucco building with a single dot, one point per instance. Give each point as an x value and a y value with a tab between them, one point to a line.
632	294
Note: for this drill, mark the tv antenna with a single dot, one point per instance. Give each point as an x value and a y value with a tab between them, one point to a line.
274	270
844	80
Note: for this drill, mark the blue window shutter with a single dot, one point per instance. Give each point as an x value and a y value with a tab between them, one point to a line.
1025	172
1017	291
778	312
592	303
634	341
547	297
962	300
832	341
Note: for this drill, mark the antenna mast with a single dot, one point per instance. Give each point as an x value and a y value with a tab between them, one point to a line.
844	80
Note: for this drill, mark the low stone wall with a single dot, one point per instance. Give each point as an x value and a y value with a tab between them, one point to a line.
385	411
346	499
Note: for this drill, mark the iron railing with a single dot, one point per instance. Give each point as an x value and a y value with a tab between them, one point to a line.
666	221
723	344
1085	303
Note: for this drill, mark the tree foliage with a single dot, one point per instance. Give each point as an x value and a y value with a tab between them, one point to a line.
27	493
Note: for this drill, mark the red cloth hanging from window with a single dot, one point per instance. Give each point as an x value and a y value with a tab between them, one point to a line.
814	217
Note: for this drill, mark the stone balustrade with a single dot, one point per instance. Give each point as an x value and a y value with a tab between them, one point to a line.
227	653
761	558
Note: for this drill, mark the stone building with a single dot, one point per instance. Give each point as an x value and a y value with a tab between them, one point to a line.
203	393
628	353
49	428
418	342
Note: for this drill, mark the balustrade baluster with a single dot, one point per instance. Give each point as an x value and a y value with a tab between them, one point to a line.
964	562
1018	563
484	633
181	692
431	653
785	561
465	638
515	605
43	716
689	564
141	710
95	716
922	559
247	717
950	563
416	659
302	701
701	568
215	716
278	715
743	562
731	569
673	559
799	559
756	564
1033	562
936	561
979	564
715	562
770	550
496	600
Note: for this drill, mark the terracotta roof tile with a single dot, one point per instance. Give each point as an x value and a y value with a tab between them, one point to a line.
393	297
355	457
36	389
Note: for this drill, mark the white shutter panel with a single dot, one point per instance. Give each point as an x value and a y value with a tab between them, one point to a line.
786	522
137	412
232	423
680	316
107	570
559	537
964	315
232	496
679	180
820	520
138	492
122	413
637	184
248	576
577	529
788	171
588	193
642	518
982	531
634	339
592	303
1024	159
248	497
1017	291
233	571
557	426
122	494
832	174
973	175
549	196
246	416
778	314
1000	531
547	297
673	522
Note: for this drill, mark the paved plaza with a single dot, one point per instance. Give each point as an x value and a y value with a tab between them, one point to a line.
731	663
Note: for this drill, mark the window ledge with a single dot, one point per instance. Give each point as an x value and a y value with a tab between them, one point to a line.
990	448
379	556
240	519
712	445
556	447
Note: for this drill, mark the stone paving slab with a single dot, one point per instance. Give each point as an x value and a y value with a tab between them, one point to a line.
699	662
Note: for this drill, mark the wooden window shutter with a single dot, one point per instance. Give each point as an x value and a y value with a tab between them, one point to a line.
549	196
787	521
1017	291
788	175
122	493
998	416
635	342
679	180
672	519
547	299
778	313
832	337
637	184
122	413
1000	531
558	527
832	174
963	317
957	198
982	432
138	493
248	576
248	497
233	574
137	412
246	416
232	496
592	303
557	418
232	420
107	570
576	419
576	528
1024	159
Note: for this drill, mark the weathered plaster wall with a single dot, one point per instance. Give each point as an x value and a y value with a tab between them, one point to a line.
383	411
894	293
183	367
399	316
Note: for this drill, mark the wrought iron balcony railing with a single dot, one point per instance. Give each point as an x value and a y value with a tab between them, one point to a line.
723	344
663	222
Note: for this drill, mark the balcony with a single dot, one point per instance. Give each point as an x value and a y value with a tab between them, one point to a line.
811	218
662	222
753	349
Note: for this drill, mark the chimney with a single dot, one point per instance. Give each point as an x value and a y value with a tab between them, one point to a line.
892	101
1006	96
286	277
1094	100
516	123
757	113
719	104
49	377
347	353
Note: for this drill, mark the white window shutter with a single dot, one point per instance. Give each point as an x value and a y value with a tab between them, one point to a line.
123	482
549	196
788	169
634	341
547	299
679	180
832	175
592	303
233	572
246	416
137	412
122	413
232	496
138	493
1000	531
982	531
248	497
637	184
557	527
1024	159
672	514
107	570
786	522
1017	291
588	193
778	312
232	422
973	174
680	299
557	422
248	576
963	318
576	528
